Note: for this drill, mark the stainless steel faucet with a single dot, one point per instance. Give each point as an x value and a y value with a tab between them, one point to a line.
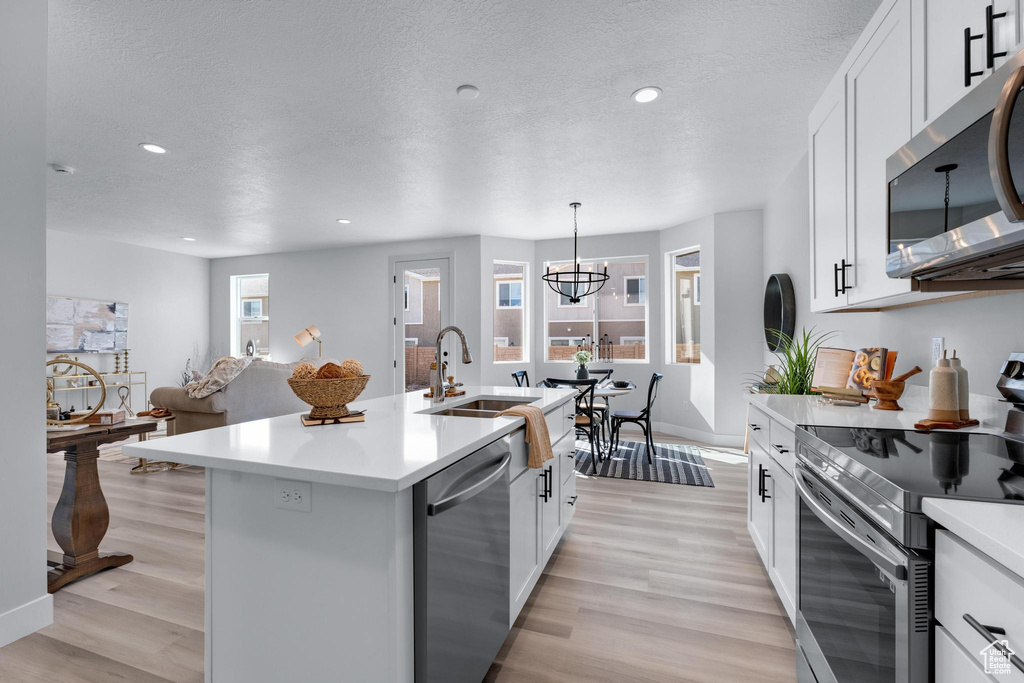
437	381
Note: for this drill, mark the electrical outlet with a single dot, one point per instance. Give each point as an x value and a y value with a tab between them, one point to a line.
293	495
938	346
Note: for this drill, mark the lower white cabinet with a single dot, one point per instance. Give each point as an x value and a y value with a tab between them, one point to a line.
771	518
953	664
539	501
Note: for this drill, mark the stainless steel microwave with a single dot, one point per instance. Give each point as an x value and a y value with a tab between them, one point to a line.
956	219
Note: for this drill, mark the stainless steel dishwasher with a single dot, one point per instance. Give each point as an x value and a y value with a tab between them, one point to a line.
461	560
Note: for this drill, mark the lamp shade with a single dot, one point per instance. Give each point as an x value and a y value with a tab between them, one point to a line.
311	333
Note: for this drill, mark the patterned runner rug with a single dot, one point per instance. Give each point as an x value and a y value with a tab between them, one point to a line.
673	464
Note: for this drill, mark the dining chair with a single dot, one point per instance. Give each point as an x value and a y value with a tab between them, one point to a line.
586	420
602	377
521	378
638	417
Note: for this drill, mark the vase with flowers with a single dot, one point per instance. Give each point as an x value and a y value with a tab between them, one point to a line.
582	357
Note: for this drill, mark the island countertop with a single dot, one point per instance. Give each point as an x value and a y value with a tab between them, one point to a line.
396	447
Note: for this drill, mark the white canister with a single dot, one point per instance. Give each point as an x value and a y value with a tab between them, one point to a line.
943	393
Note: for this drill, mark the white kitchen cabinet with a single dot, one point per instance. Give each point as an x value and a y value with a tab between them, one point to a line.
826	146
879	122
782	567
524	538
759	502
550	500
939	49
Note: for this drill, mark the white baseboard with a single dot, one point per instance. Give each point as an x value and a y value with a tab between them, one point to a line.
724	440
25	619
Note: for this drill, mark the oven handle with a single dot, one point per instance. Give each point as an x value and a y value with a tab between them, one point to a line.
999	149
881	560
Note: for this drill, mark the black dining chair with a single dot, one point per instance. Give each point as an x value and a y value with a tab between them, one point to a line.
638	417
585	420
602	377
521	378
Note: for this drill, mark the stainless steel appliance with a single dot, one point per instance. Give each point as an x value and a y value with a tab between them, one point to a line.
1011	386
865	549
955	209
461	563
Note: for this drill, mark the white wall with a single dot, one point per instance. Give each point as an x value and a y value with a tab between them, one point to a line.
984	331
349	295
168	297
25	605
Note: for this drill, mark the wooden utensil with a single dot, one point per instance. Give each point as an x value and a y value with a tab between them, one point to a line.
888	393
907	375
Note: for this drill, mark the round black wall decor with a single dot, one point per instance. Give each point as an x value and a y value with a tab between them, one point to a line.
779	309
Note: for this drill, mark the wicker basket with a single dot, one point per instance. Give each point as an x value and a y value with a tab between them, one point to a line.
329	397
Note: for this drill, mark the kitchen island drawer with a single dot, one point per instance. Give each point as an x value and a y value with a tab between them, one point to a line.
758	427
559	420
953	664
973	592
783	446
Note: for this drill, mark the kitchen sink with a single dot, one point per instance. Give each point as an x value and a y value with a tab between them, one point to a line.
480	407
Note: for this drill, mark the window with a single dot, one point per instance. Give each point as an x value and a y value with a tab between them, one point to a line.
683	269
635	288
412	341
600	322
250	310
510	294
511	329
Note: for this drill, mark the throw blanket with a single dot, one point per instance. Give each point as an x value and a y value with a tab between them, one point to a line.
536	433
219	376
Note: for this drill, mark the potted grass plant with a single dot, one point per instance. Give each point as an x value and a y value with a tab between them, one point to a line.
795	368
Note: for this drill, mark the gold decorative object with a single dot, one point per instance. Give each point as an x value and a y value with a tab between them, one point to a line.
125	394
329	397
117	364
62	356
102	386
126	360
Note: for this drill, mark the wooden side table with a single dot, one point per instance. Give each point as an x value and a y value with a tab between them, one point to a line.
146	466
81	517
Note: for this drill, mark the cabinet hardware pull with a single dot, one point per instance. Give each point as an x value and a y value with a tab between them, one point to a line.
990	36
544	486
754	427
835	277
764	488
989	634
843	268
572	501
780	449
968	38
551	476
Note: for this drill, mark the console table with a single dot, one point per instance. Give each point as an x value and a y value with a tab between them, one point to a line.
81	517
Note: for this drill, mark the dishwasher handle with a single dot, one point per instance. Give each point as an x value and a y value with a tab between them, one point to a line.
469	492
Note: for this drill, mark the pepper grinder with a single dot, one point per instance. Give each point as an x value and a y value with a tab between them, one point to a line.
943	393
963	388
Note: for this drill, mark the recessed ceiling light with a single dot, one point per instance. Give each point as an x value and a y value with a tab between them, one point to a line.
150	147
468	92
189	239
344	221
648	94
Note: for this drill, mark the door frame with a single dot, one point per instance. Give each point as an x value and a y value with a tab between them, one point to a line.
446	291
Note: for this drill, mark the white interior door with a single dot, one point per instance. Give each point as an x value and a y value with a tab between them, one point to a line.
422	308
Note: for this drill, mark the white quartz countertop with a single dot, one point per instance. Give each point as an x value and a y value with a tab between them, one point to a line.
393	449
793	411
996	529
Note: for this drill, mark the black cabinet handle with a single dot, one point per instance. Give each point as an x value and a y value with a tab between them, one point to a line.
968	39
763	474
754	427
544	486
990	36
551	476
835	278
572	501
843	268
989	634
780	449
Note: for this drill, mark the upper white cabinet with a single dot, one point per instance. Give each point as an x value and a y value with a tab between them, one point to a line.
826	146
878	98
957	44
907	68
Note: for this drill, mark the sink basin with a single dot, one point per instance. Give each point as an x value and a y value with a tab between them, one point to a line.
480	407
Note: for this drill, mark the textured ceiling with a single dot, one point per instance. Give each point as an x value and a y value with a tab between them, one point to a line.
280	117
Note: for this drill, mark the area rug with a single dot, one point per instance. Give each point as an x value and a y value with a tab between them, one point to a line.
673	464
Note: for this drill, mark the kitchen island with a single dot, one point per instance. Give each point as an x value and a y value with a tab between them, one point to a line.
310	530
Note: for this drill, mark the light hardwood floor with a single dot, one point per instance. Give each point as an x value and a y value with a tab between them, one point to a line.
653	582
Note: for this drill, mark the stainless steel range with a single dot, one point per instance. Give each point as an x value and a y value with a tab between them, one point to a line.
864	547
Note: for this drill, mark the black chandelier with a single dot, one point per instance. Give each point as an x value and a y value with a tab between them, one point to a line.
584	282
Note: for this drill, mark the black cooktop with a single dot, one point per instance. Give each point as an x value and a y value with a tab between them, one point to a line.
967	466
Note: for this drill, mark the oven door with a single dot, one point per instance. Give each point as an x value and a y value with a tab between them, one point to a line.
862	599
